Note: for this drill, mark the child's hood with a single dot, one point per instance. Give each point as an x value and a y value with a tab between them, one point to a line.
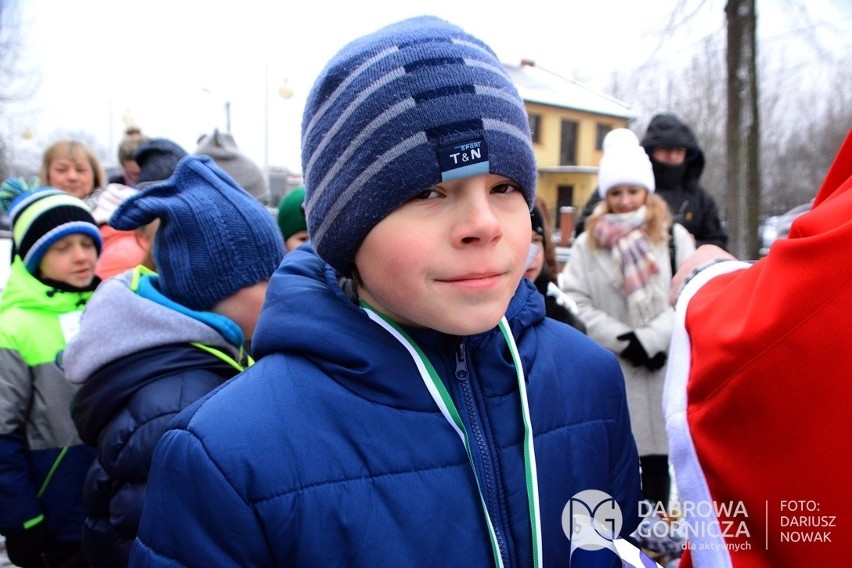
118	322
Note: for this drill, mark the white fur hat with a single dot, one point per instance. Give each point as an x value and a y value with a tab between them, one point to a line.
624	162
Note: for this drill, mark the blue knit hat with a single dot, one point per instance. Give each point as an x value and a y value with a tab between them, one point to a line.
397	112
213	239
43	216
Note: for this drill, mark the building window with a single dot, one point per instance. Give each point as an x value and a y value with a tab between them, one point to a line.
535	127
568	149
603	130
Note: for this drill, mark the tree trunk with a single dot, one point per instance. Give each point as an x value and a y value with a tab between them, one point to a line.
742	131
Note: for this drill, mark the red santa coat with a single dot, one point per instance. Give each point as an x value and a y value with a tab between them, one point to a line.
757	396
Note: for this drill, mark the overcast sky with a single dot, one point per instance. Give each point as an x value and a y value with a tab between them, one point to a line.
171	65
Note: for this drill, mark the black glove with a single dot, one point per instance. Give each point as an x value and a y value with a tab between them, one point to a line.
657	362
66	555
27	547
634	352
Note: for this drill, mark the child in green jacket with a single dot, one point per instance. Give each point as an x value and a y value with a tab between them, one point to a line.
43	463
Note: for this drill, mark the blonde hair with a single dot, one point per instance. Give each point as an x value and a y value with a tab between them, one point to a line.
658	219
72	150
133	138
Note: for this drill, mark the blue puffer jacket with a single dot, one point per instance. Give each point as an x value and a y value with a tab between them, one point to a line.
134	379
331	452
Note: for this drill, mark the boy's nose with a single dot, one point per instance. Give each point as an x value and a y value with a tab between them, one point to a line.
79	253
479	222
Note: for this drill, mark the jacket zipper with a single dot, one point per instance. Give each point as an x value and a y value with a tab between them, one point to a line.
485	463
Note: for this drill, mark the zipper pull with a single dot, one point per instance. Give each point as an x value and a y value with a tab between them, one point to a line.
461	363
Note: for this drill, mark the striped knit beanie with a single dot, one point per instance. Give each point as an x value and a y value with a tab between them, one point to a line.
396	112
43	216
213	239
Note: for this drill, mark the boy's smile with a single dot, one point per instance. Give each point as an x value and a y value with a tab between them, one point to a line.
451	258
473	282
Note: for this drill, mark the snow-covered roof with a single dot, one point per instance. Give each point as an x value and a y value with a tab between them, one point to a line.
537	85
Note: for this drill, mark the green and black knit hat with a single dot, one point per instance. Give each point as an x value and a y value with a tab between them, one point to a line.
42	216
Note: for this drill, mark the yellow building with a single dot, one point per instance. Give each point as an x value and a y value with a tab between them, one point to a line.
568	123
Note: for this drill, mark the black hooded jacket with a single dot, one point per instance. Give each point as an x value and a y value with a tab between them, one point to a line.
689	203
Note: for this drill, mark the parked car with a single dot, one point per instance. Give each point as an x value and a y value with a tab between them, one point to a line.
778	226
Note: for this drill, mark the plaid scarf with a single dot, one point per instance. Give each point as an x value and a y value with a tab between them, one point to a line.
631	251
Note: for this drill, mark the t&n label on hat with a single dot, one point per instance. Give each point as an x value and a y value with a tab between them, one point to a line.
463	159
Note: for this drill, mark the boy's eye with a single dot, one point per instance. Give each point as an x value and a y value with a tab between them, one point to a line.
505	188
430	193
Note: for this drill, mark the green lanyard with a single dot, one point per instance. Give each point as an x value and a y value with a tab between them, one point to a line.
448	408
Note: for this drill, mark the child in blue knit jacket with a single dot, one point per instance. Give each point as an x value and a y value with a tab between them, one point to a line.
411	404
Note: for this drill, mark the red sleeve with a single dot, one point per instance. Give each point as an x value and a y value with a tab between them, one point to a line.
768	385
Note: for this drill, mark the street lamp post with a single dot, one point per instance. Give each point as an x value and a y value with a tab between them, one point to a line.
285	92
227	108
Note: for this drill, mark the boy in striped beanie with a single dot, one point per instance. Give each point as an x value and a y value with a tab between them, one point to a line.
42	218
412	403
56	245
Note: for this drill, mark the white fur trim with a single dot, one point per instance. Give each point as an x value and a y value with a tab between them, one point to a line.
689	476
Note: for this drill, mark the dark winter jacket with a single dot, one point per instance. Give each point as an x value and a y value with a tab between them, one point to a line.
42	461
689	203
330	450
137	368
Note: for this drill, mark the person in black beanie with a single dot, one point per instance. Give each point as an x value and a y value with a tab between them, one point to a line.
678	163
557	304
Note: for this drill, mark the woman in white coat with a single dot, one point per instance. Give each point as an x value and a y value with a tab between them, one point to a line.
619	275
